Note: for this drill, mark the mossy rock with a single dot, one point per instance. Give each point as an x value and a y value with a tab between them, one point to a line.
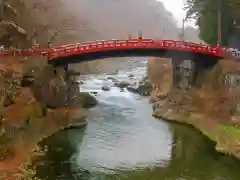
145	86
86	99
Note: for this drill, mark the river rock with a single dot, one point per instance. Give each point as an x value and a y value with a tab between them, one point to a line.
94	93
111	78
122	84
138	90
105	88
144	90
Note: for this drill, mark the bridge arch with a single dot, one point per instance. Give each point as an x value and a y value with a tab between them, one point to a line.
76	53
201	56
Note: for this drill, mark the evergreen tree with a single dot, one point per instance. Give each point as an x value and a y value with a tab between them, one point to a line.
205	12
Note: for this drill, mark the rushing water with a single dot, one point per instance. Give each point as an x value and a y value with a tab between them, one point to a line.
123	141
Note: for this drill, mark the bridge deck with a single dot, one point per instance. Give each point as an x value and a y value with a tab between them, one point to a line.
137	44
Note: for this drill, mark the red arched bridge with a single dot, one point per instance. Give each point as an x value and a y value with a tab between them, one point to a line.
202	57
114	48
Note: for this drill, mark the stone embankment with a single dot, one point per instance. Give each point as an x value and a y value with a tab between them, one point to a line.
212	108
35	103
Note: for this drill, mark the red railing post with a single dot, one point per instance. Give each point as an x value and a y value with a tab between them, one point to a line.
175	44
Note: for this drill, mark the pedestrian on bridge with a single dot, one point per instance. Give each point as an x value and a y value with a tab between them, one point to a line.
2	48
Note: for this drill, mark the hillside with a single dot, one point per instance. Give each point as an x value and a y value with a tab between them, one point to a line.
84	20
79	20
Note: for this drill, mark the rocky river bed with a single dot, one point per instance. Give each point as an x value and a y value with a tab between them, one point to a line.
123	141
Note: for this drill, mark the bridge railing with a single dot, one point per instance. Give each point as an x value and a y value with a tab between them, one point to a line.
143	43
71	49
162	43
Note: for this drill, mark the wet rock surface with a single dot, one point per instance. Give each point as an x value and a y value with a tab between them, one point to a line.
106	88
122	84
142	87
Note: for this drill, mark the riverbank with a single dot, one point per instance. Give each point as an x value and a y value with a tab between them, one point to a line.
226	137
33	107
108	148
25	143
212	108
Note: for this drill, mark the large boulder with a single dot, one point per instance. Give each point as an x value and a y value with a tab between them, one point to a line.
144	88
86	99
50	89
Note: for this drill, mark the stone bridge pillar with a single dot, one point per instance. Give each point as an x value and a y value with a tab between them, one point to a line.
183	72
63	73
188	71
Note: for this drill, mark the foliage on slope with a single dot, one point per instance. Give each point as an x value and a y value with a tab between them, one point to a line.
205	12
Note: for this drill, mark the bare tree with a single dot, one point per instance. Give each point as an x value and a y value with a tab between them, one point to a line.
8	26
6	10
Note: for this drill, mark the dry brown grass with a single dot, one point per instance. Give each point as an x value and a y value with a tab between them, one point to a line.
211	107
214	99
218	104
211	98
160	74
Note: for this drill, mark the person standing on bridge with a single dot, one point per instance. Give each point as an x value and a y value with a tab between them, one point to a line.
129	36
140	35
2	48
49	44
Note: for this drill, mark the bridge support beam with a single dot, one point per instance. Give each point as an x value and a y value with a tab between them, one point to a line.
176	72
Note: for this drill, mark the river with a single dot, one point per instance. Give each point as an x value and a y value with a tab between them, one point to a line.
123	141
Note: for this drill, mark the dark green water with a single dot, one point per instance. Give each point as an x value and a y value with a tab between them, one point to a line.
123	142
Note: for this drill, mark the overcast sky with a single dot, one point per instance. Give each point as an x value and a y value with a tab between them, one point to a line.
176	8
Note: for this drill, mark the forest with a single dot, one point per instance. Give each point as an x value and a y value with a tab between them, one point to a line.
208	13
